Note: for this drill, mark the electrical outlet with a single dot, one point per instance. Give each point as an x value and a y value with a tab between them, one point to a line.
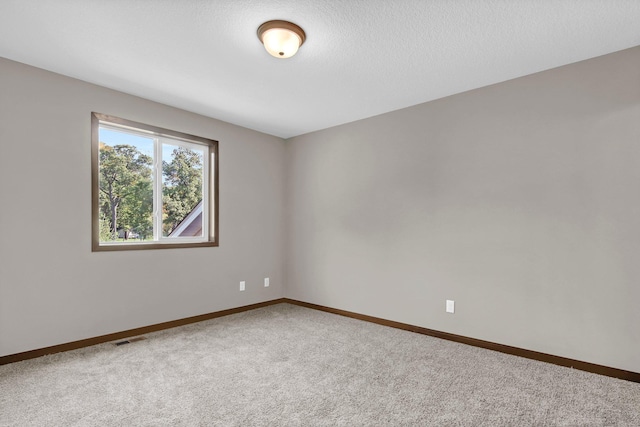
450	306
242	285
266	282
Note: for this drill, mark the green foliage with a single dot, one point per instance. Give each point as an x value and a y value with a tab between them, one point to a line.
126	193
136	213
105	227
182	186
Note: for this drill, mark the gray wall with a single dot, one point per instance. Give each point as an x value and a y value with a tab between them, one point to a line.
520	201
53	289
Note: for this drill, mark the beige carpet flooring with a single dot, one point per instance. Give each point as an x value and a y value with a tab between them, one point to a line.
286	365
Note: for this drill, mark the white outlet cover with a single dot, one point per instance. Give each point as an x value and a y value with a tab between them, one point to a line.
266	282
450	306
242	285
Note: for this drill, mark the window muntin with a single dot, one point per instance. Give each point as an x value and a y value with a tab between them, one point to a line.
159	187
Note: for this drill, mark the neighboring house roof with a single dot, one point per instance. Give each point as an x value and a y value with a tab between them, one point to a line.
191	225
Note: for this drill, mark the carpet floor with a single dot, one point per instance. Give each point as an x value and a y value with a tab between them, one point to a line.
285	365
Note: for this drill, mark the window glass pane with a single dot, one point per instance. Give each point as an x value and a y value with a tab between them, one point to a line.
182	190
125	186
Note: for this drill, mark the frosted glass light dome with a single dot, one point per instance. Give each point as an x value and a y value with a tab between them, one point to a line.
281	39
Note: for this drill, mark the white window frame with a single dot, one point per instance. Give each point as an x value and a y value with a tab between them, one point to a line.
160	136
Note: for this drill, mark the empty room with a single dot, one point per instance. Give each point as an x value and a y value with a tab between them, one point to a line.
319	213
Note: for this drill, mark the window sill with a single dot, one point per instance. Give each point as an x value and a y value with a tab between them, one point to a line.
153	245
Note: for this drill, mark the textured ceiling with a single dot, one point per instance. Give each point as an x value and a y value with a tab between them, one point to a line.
361	57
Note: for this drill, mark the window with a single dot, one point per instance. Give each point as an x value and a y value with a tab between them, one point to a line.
152	188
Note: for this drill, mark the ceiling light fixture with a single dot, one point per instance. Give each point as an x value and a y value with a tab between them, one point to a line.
281	38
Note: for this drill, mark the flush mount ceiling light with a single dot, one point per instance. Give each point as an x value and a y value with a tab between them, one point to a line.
281	38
